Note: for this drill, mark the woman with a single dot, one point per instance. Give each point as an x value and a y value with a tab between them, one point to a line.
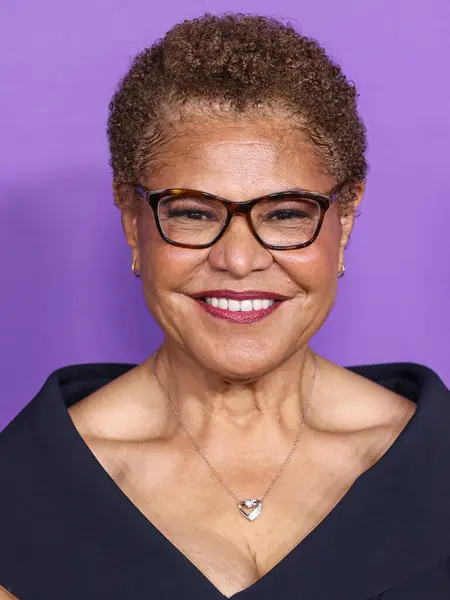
234	461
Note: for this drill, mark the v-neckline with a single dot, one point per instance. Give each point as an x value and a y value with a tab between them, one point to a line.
141	528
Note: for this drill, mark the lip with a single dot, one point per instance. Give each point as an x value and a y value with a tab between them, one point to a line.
233	295
252	316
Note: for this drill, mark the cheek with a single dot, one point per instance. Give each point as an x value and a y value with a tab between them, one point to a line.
315	266
165	268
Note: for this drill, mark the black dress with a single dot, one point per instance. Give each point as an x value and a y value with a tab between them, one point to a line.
67	532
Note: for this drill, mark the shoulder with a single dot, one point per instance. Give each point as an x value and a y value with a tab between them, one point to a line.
360	398
31	442
121	410
119	418
358	417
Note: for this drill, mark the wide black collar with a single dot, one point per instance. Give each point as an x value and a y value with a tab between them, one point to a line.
392	524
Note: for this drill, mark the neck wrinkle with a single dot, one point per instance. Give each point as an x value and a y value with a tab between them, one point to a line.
202	398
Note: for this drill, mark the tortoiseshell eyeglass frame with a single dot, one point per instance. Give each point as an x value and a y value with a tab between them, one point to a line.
324	201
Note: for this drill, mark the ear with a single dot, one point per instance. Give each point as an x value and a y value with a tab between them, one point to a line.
130	227
348	219
123	197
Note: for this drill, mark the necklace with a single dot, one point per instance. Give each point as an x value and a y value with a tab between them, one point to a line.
249	508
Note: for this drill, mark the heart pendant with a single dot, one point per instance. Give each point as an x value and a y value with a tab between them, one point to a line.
254	505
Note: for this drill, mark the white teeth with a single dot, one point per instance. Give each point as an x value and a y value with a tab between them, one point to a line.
246	305
236	305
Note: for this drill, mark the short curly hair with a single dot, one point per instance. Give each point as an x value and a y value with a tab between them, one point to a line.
236	63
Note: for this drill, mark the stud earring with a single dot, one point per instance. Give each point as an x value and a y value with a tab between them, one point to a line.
341	272
135	272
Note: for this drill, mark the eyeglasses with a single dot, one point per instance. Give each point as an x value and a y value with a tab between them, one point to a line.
280	221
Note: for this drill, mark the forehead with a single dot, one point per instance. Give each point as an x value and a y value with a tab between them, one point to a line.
238	157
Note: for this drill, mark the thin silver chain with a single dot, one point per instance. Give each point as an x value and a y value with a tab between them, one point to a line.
205	458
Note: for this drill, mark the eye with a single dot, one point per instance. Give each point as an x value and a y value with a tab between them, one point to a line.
287	211
286	215
189	209
194	214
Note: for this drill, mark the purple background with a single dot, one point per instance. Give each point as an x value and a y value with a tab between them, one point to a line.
67	291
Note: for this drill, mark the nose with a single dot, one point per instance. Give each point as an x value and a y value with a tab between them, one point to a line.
238	251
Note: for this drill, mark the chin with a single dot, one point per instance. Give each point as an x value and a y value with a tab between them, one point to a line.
243	362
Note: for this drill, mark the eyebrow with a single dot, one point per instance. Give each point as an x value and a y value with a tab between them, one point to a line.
297	189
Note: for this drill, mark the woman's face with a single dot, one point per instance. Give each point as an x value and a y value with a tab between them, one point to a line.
238	160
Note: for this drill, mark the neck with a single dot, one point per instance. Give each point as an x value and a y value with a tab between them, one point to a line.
201	396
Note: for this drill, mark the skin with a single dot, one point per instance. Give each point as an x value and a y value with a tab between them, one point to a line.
4	595
241	389
230	160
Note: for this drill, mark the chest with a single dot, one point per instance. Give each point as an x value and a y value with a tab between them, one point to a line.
197	515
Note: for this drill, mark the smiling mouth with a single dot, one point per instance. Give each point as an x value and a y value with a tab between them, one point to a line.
249	310
233	305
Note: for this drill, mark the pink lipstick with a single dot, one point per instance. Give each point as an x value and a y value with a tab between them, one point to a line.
247	306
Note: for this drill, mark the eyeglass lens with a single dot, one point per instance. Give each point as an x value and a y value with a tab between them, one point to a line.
284	221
